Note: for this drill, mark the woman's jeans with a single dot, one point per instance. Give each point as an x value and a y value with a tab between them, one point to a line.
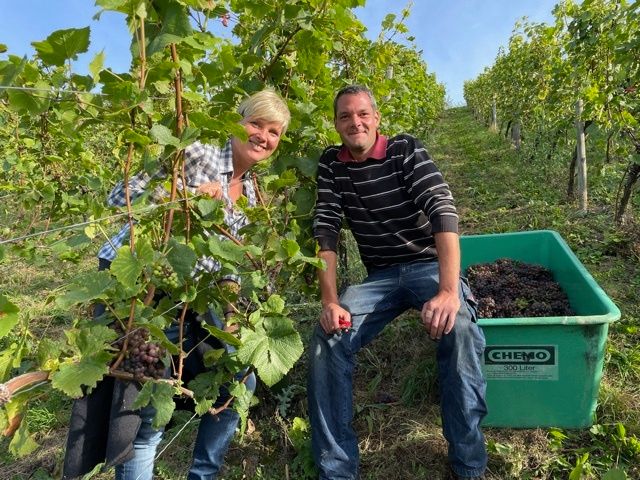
384	295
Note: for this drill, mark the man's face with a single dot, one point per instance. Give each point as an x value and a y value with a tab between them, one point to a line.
357	123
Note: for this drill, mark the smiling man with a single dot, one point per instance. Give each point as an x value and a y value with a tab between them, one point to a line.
402	215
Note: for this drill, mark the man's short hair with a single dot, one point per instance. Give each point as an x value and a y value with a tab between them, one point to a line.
353	90
266	105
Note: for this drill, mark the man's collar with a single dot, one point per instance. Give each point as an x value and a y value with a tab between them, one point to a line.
377	152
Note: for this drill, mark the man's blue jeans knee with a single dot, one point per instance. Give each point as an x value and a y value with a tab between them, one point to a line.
383	295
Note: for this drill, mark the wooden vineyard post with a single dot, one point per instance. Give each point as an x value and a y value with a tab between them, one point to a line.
494	116
581	159
515	133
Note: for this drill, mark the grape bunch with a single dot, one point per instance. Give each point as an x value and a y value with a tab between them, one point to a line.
142	358
165	276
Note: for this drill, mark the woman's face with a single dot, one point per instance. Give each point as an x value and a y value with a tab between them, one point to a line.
263	139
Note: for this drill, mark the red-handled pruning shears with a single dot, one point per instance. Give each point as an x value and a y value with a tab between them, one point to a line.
345	325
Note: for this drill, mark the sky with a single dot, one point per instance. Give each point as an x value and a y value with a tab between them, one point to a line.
459	38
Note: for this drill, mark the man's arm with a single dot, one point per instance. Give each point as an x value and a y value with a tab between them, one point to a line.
332	313
439	313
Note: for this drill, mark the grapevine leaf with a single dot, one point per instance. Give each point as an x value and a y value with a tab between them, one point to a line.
92	340
12	70
160	395
163	135
126	267
24	102
274	304
225	250
144	250
96	65
62	45
163	403
48	353
181	258
175	26
90	287
131	135
72	375
304	199
144	395
211	209
22	443
273	348
242	402
226	337
6	361
158	333
8	315
206	389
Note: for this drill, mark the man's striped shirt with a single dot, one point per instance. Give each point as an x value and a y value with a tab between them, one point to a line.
392	205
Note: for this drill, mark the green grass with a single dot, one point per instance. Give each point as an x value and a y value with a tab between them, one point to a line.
397	413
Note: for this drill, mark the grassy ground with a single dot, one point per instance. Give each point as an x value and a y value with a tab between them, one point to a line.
397	412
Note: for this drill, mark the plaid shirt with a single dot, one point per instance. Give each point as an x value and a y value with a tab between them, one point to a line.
202	164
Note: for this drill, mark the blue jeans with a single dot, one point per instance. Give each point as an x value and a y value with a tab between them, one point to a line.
214	433
384	295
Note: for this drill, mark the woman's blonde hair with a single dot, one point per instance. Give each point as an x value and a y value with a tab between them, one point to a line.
266	105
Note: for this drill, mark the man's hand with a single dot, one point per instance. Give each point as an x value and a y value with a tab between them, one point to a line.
213	189
439	314
334	318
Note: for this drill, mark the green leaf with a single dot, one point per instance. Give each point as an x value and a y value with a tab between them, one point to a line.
274	304
92	286
144	395
273	348
48	353
92	340
225	250
62	45
8	315
615	474
22	443
225	337
160	395
181	258
96	65
126	267
243	399
175	26
72	375
25	102
163	135
206	389
144	250
131	135
211	209
304	199
8	358
299	433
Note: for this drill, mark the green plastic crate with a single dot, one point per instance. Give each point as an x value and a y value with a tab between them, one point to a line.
543	371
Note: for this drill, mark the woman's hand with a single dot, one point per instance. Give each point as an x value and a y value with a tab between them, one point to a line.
213	189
